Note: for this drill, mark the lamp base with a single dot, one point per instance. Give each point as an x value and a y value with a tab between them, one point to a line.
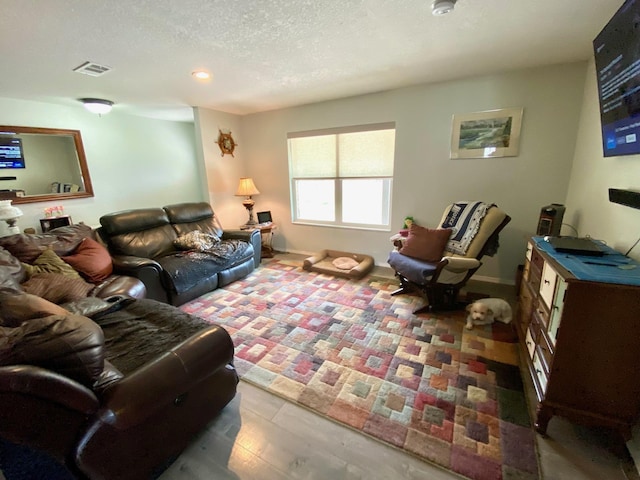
248	204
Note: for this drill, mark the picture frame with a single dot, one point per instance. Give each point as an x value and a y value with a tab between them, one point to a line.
264	217
488	134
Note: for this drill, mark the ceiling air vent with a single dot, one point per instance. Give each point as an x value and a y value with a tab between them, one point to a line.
92	68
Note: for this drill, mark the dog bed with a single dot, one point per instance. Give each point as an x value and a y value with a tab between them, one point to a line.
341	264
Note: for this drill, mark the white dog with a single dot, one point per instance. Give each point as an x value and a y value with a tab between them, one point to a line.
486	310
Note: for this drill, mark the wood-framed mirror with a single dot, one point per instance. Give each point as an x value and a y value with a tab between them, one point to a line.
42	165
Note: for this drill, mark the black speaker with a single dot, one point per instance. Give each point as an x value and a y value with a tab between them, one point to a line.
550	220
629	198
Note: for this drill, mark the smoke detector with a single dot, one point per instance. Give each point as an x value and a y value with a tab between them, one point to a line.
442	7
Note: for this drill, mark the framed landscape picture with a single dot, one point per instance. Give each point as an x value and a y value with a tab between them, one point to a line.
494	133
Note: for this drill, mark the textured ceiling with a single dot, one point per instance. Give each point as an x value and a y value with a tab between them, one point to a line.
275	53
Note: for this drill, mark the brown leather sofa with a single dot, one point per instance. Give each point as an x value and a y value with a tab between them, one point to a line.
103	397
142	243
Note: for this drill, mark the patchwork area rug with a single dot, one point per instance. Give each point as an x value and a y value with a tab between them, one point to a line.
350	351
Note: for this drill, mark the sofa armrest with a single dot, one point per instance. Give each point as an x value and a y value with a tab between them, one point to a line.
48	386
166	380
252	236
145	269
460	264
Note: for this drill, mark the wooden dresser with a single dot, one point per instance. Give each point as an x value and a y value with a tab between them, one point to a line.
579	329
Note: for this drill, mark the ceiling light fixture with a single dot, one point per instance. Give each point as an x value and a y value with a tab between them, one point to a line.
442	7
201	75
97	105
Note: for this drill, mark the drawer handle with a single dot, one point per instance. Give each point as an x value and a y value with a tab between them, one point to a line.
529	343
538	371
547	282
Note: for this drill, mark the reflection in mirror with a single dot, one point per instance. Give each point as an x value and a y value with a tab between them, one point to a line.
42	164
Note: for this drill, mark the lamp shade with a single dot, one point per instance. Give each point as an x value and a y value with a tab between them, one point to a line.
97	105
8	211
246	188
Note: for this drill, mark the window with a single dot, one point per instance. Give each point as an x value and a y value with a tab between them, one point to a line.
343	176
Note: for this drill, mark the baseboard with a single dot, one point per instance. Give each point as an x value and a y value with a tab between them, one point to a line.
389	271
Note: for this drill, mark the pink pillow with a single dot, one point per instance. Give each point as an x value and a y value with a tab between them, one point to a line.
92	260
426	244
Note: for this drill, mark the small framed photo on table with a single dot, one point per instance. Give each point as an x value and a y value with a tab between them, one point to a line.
264	217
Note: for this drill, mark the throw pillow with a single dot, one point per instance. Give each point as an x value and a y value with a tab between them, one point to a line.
49	262
16	308
196	240
426	244
92	260
57	288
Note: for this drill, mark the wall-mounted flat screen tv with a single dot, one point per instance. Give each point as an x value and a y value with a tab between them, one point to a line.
11	153
617	56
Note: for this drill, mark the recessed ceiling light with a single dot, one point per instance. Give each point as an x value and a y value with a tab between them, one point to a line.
201	75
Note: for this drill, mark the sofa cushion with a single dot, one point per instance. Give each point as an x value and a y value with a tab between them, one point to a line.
183	270
62	240
49	262
426	243
12	272
92	260
19	307
57	288
187	217
144	232
71	345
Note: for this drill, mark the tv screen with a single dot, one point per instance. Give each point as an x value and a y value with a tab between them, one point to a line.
11	154
617	57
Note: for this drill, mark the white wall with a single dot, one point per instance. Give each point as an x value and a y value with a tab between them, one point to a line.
221	174
588	206
133	161
425	179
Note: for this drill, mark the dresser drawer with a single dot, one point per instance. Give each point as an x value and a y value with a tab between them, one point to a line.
530	342
541	313
548	284
536	259
545	349
541	375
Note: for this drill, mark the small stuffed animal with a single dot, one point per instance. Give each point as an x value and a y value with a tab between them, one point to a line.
408	221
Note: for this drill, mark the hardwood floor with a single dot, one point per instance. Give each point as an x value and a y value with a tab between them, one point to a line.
261	436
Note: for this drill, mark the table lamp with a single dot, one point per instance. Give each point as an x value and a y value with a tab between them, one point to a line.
247	188
10	214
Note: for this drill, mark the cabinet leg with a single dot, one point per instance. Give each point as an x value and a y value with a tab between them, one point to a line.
543	415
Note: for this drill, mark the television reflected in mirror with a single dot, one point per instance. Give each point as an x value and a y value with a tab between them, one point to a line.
42	164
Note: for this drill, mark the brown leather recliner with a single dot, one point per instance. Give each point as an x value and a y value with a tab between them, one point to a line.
141	243
108	405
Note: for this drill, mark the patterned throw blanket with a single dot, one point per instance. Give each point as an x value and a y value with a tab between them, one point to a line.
464	219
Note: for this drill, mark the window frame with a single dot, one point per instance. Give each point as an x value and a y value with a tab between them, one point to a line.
387	187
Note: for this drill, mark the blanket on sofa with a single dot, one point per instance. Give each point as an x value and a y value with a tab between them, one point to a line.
184	275
136	333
